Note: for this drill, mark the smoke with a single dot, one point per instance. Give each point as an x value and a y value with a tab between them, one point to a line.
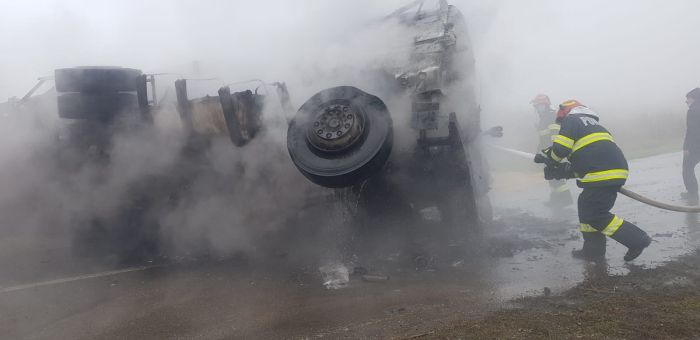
632	61
221	201
568	49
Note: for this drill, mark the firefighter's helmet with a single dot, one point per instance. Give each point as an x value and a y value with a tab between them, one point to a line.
566	107
541	99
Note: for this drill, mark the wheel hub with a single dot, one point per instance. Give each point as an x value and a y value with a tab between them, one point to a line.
335	127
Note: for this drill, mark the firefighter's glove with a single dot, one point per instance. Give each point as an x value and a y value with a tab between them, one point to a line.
495	132
544	158
567	171
549	172
561	171
540	158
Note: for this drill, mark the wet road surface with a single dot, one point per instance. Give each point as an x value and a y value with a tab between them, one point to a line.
528	249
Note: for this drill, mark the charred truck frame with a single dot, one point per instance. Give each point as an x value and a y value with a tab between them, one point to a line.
237	114
341	138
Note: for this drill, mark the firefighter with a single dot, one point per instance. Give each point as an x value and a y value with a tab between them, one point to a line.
559	194
601	169
691	147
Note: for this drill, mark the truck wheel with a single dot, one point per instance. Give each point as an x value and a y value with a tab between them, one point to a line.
340	137
96	79
102	107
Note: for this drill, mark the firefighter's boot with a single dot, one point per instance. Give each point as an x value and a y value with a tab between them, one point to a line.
593	247
690	197
635	239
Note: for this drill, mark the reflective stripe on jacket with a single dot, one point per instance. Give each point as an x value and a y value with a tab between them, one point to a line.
592	151
547	129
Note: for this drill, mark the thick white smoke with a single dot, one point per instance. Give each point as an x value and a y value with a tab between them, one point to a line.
632	61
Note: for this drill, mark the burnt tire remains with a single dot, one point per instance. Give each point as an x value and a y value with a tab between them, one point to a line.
98	93
340	137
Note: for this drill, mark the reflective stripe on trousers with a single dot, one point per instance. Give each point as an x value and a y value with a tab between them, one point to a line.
609	230
561	188
586	228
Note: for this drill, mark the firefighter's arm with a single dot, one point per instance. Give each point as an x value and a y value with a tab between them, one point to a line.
562	143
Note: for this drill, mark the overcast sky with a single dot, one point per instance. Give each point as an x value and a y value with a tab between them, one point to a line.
637	53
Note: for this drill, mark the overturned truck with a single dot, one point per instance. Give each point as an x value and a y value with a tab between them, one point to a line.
344	140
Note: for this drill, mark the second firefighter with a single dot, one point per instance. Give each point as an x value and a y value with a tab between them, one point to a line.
559	194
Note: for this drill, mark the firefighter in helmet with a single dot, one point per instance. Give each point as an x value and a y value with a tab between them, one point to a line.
559	195
601	170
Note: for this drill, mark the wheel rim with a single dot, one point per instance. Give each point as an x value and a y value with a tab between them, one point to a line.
336	127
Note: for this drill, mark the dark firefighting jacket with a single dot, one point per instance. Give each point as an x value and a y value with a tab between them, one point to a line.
692	135
594	156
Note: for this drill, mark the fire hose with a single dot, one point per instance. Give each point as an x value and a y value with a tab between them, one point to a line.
631	194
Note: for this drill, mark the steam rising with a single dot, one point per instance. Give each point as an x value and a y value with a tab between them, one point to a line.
624	59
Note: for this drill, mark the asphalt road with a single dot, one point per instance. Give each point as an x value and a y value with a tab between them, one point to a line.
47	294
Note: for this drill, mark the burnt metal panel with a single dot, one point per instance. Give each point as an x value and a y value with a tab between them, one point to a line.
243	114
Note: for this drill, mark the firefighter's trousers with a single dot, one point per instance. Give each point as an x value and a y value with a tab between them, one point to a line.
597	222
690	161
559	194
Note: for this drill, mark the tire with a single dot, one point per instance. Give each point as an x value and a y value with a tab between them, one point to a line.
102	107
360	152
97	79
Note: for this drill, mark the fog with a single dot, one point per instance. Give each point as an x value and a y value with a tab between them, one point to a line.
625	59
632	61
634	52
